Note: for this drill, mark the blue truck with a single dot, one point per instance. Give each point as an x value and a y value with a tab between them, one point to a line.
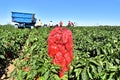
23	20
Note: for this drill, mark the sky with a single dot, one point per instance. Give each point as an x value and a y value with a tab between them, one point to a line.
82	12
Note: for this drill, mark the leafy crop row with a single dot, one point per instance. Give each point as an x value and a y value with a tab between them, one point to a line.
97	53
11	42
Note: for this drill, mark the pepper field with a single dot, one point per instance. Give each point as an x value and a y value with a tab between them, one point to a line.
96	54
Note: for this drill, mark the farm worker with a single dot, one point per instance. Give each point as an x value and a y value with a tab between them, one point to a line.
69	23
51	24
56	25
72	24
38	23
61	23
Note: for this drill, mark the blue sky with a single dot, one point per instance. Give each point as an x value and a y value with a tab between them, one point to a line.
83	12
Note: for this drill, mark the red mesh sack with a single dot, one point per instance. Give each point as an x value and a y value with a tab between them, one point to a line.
60	48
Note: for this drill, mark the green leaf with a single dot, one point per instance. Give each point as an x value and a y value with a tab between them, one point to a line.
99	69
98	51
110	67
2	56
90	75
20	75
117	61
104	76
94	62
46	75
118	78
105	52
111	76
84	74
94	69
41	78
65	77
77	72
55	77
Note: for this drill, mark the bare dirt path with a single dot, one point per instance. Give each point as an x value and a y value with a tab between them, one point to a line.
9	69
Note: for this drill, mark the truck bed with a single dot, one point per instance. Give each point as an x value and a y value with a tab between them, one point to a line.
23	17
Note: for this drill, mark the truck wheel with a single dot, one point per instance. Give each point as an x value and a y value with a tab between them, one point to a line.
32	27
16	25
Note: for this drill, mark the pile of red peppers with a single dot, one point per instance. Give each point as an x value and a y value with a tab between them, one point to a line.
60	48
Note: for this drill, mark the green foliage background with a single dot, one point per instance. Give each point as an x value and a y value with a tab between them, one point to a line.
96	53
